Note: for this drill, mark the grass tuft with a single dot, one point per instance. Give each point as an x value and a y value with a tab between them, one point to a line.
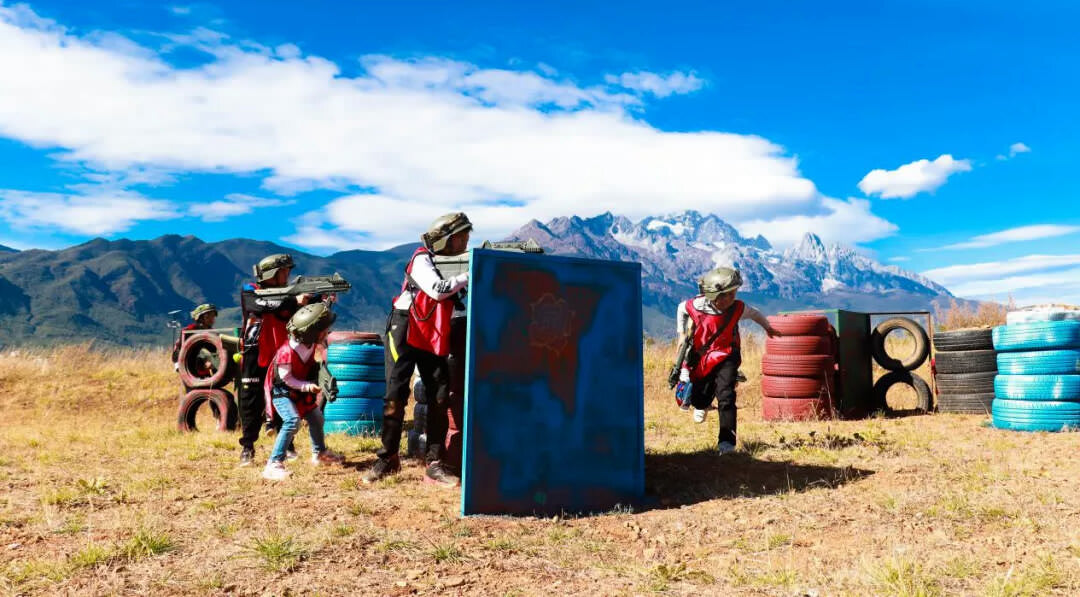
277	552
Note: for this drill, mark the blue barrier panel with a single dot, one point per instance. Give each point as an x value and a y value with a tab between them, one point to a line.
554	389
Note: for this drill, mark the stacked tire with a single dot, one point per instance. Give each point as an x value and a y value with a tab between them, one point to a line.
965	365
416	442
798	369
203	386
356	360
1038	383
900	370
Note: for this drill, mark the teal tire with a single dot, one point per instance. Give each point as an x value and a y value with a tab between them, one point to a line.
351	372
362	389
1038	388
355	354
355	428
353	409
1036	335
1022	415
1039	362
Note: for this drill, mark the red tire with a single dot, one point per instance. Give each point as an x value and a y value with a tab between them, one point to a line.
799	345
221	403
359	337
800	325
796	387
189	352
794	409
797	365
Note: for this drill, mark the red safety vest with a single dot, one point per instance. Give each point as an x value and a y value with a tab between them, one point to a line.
429	319
303	401
706	327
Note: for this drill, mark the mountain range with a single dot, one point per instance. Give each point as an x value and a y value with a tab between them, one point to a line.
119	292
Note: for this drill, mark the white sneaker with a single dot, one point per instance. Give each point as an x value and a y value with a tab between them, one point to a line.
327	457
699	416
275	471
725	448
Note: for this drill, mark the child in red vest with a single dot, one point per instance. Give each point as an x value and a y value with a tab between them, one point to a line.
427	312
290	385
713	318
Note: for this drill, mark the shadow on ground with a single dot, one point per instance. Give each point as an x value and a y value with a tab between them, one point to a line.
679	479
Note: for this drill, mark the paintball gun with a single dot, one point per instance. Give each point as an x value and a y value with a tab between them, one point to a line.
452	265
327	383
307	285
680	359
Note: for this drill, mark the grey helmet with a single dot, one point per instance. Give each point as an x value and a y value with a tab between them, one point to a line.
718	281
306	324
268	266
443	228
203	309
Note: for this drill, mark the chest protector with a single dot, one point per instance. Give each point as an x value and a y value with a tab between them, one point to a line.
429	319
721	342
273	386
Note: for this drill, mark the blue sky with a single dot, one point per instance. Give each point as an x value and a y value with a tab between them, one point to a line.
937	136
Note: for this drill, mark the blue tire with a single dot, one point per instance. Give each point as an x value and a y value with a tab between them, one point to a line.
1039	362
354	427
362	389
353	409
1037	388
1022	415
355	354
351	372
1036	335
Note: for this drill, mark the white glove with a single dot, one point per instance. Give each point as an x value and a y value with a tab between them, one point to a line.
311	388
684	375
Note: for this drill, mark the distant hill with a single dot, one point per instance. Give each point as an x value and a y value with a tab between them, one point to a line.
119	292
4	249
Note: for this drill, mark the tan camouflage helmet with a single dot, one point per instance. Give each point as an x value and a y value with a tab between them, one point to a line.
718	281
203	309
445	226
268	266
306	324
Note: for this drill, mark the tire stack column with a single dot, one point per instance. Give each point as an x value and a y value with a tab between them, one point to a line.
799	369
900	370
206	387
355	359
965	365
1038	383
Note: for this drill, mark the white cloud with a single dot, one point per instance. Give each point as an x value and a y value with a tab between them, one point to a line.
914	178
1016	148
91	214
1012	284
234	204
434	134
899	258
846	222
180	10
992	270
657	84
1022	233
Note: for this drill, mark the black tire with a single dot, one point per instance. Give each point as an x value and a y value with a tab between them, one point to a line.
969	339
922	390
966	383
966	361
965	404
908	363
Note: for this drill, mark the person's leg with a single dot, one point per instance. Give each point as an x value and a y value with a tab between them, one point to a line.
315	420
401	360
290	422
435	374
701	396
725	376
251	403
456	410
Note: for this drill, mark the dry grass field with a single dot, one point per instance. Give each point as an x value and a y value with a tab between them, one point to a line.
100	495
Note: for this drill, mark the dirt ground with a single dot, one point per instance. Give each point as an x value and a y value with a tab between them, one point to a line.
100	495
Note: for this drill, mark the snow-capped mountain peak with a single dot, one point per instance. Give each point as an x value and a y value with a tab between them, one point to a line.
675	249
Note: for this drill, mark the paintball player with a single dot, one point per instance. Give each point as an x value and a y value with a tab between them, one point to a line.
264	332
427	314
291	387
714	317
203	318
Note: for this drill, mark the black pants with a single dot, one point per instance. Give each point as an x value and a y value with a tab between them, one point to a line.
721	385
251	400
401	361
